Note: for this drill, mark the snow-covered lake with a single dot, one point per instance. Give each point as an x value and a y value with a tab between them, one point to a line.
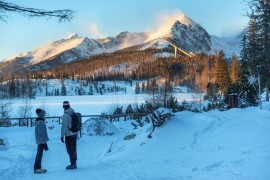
86	105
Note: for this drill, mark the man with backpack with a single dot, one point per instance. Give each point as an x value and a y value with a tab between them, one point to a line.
68	135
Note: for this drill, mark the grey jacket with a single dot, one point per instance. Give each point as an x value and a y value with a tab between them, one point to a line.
66	123
41	134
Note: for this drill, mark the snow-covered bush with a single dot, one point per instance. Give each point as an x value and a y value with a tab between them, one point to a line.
4	115
158	117
99	127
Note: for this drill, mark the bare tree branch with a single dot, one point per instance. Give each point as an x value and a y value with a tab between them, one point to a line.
62	15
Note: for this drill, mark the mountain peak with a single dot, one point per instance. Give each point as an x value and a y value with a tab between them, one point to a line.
186	20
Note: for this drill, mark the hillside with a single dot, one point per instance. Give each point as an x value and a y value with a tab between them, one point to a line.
194	146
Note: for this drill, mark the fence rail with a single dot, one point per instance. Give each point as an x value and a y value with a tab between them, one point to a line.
30	121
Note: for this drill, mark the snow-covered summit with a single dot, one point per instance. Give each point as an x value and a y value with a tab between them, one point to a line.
187	21
190	36
84	47
123	40
57	47
183	32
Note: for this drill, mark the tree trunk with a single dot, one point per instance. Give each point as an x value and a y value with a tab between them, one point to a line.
267	92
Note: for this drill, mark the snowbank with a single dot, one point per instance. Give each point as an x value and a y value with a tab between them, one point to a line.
233	144
99	127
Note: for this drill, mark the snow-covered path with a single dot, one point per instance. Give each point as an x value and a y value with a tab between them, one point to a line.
215	145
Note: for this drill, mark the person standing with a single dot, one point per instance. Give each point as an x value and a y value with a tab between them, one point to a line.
69	137
41	137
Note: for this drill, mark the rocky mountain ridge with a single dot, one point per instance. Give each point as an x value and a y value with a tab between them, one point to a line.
186	34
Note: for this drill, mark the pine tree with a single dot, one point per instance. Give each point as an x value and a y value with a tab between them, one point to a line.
30	93
244	45
17	91
172	103
129	109
263	13
253	40
91	90
137	88
257	48
12	88
235	70
63	88
222	73
211	91
148	86
143	87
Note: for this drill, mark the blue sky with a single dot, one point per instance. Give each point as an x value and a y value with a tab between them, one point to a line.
101	18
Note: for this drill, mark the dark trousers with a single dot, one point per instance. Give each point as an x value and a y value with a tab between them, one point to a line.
71	145
37	164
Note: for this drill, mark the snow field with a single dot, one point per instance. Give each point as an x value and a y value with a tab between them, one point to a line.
213	145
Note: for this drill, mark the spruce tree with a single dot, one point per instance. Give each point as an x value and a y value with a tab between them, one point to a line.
222	74
63	88
137	88
143	87
12	88
244	45
235	70
263	13
256	50
129	109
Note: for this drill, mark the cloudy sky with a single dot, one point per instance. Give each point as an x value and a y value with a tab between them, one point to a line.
101	18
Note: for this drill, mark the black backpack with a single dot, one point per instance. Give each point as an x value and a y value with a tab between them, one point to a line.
76	122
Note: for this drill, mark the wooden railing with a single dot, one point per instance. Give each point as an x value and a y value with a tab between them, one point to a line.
30	121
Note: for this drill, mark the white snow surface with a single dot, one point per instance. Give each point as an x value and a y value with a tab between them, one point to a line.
212	145
83	46
158	44
55	48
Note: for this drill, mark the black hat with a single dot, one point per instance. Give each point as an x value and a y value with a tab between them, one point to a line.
65	103
40	112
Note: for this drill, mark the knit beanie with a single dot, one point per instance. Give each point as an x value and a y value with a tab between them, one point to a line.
66	105
40	112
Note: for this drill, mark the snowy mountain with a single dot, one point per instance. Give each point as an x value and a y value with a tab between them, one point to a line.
123	40
55	53
190	36
184	33
70	49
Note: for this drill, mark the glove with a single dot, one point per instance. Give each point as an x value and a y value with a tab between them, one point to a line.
62	139
45	146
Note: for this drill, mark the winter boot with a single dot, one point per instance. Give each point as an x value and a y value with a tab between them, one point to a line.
72	166
40	171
